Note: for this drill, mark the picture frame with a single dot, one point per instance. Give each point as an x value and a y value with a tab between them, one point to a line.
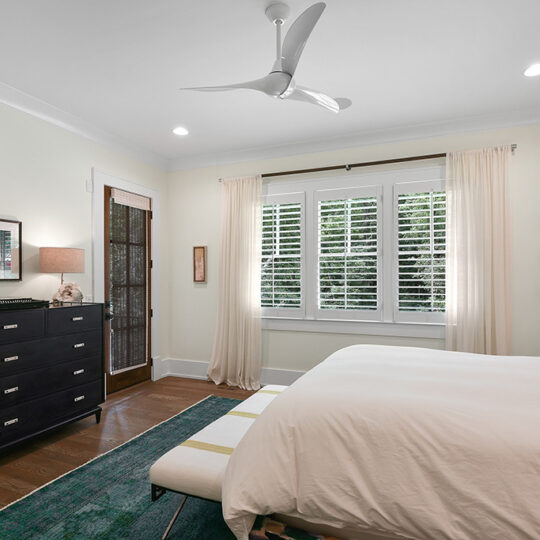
10	250
199	264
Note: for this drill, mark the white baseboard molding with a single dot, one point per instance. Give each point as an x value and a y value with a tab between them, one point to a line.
196	369
158	365
279	376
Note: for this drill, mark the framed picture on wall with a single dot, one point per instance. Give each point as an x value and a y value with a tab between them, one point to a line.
199	264
10	250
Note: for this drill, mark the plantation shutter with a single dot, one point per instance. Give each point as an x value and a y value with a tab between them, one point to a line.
348	248
281	265
421	253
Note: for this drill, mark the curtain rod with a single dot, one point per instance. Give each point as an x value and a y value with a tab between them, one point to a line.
350	166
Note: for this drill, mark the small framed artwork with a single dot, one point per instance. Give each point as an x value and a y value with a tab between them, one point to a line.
10	250
199	264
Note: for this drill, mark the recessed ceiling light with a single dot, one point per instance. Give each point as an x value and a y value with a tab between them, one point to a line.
532	71
180	131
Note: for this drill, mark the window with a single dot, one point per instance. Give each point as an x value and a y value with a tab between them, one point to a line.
357	249
348	255
421	245
281	264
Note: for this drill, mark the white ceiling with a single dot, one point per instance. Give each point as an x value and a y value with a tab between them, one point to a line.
117	65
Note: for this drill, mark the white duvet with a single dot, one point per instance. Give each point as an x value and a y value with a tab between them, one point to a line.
420	443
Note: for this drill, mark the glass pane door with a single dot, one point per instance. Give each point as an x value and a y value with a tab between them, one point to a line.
128	294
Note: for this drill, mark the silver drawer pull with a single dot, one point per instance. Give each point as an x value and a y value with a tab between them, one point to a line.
75	319
78	372
10	326
12	421
78	345
79	398
11	390
11	358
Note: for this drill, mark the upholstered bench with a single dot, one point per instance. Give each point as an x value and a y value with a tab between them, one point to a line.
196	467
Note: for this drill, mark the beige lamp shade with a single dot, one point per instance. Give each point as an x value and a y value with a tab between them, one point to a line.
60	260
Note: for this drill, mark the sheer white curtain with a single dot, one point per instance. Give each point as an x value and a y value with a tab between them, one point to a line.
478	251
236	358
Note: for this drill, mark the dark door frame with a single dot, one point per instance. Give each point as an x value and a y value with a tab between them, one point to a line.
133	376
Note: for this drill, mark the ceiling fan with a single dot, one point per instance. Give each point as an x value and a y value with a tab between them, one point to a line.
280	83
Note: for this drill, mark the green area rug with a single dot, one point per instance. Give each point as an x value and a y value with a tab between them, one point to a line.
109	497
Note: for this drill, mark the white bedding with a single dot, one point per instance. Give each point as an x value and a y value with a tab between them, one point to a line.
420	443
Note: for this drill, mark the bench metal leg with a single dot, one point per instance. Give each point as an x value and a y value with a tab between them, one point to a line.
174	517
157	492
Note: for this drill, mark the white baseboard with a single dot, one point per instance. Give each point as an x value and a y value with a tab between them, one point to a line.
279	376
196	369
191	369
157	368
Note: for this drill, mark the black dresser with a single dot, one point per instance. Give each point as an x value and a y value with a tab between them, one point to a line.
51	369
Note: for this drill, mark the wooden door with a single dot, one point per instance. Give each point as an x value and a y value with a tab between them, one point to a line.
127	291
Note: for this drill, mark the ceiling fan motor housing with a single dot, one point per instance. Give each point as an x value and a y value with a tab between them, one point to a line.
277	83
277	12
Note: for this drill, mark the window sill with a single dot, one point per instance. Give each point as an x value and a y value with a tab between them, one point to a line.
371	328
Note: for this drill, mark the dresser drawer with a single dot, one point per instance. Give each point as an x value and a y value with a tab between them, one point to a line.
17	357
30	385
40	414
22	325
68	320
31	355
76	346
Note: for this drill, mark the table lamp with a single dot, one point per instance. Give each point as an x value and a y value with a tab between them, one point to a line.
59	261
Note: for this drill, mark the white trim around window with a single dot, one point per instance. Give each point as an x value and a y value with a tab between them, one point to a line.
315	257
284	199
410	188
370	328
384	186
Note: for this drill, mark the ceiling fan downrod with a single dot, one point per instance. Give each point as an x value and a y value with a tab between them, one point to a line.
277	13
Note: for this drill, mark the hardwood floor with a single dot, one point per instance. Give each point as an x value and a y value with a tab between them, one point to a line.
126	413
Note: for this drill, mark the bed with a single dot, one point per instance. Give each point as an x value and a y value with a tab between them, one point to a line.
399	442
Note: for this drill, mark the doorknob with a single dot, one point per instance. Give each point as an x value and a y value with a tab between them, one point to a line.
108	311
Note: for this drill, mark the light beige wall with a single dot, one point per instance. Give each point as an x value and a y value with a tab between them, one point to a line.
43	174
194	199
43	171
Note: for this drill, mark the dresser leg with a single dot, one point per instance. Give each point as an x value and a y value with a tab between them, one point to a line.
98	416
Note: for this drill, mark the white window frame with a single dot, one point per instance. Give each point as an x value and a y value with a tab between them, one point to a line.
336	194
310	320
288	198
405	188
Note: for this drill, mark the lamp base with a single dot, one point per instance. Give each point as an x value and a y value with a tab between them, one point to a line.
68	292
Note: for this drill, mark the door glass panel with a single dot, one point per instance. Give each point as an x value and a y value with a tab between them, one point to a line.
128	282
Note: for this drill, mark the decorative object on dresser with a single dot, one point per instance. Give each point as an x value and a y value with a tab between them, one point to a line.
10	250
59	261
51	369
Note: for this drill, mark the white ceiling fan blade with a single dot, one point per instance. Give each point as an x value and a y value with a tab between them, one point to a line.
297	36
312	96
258	84
343	102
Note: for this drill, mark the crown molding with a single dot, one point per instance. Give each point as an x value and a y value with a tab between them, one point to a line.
40	109
366	138
31	105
